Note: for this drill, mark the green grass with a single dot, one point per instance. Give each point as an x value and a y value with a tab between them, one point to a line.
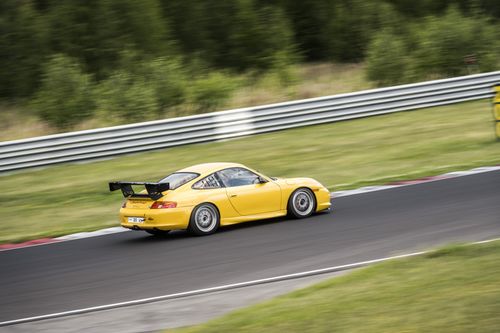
71	198
456	289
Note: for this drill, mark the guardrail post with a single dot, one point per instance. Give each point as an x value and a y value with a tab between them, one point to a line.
496	109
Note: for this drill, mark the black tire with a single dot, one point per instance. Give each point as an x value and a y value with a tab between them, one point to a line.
158	233
302	203
204	220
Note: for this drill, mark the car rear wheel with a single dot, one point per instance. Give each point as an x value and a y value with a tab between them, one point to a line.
302	203
205	220
158	233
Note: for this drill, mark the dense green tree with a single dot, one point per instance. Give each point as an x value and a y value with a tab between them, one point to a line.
256	36
236	34
353	25
165	44
96	31
189	24
422	8
309	20
22	48
337	30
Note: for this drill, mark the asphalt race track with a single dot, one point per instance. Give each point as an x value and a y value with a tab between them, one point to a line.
132	265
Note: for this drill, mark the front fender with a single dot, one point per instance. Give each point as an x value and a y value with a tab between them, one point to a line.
289	185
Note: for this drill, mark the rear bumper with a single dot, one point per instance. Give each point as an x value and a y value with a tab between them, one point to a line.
159	219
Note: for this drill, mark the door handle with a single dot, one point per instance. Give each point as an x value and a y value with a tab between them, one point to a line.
233	195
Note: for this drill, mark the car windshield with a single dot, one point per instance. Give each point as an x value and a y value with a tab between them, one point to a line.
238	177
178	179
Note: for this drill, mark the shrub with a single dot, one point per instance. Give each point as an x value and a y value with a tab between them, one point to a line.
443	42
125	98
168	79
66	94
212	91
386	61
433	48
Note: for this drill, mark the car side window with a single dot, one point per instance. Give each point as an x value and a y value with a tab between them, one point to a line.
209	182
237	177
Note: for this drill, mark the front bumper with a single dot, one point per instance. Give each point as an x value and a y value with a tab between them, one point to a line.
322	199
158	219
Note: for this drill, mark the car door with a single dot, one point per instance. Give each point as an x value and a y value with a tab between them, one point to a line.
210	189
247	194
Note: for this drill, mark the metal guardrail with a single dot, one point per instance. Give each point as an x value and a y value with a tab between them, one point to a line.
112	141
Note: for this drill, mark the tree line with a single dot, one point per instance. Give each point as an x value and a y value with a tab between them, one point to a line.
134	59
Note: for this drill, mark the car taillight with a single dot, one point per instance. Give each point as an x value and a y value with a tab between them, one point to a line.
163	204
124	204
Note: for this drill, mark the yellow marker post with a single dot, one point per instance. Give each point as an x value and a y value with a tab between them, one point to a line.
496	109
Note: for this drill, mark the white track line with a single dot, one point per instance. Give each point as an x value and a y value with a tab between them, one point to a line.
223	287
449	175
100	232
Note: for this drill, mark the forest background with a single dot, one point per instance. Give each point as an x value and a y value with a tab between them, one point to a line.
68	65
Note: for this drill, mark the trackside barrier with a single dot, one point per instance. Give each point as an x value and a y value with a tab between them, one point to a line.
496	109
133	138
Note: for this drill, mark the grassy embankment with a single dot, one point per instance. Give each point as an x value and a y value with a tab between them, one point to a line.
71	198
311	80
455	289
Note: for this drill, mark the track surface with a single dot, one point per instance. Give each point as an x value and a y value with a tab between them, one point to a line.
132	265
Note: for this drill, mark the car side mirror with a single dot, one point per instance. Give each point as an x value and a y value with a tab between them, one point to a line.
262	180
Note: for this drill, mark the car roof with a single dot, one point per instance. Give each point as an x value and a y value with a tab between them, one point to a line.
207	168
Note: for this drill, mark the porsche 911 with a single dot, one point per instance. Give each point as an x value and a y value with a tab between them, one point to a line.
203	197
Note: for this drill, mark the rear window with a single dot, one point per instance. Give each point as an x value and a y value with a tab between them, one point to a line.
209	182
178	179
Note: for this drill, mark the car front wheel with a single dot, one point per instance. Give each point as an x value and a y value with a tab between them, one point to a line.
205	220
302	203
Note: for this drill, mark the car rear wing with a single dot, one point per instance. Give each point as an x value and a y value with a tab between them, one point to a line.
154	189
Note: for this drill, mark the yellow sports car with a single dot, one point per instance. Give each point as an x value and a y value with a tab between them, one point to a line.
203	197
